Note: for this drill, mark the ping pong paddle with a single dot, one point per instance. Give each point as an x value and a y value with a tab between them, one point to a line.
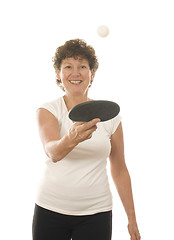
85	112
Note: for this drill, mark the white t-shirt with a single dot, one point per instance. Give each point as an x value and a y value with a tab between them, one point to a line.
78	184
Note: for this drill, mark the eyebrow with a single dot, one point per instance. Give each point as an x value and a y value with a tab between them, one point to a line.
67	63
71	63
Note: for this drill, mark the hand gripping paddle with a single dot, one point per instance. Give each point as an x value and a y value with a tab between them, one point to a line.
85	112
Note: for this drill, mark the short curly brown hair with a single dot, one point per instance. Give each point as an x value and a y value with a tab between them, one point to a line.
75	48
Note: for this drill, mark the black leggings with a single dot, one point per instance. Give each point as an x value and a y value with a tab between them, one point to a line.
48	225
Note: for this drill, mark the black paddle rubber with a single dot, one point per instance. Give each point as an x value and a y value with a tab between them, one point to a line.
85	112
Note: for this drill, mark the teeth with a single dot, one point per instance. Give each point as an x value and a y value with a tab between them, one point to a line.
76	82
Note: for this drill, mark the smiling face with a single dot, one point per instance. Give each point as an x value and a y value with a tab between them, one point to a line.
75	75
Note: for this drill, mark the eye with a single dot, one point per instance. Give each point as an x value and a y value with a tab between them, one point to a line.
83	66
68	67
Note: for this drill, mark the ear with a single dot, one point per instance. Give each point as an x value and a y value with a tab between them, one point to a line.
58	74
92	75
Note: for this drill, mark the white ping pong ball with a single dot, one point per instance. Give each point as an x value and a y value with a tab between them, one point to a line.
103	31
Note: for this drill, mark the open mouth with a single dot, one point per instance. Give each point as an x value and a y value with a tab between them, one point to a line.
75	81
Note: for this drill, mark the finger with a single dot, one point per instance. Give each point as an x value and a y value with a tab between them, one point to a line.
91	130
85	128
79	123
89	136
137	233
133	237
138	237
85	136
95	120
87	133
91	123
88	124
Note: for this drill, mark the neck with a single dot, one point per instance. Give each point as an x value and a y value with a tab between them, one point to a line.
72	101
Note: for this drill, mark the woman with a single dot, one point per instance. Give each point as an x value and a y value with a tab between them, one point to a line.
74	199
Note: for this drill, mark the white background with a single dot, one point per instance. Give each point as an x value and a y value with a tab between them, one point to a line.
136	70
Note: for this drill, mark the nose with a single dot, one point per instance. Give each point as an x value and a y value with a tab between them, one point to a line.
75	71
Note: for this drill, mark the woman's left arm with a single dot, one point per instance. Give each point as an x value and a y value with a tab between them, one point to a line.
122	181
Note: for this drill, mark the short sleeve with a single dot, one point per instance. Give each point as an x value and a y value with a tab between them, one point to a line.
50	107
112	125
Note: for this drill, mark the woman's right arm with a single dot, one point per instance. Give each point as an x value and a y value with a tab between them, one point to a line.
56	147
